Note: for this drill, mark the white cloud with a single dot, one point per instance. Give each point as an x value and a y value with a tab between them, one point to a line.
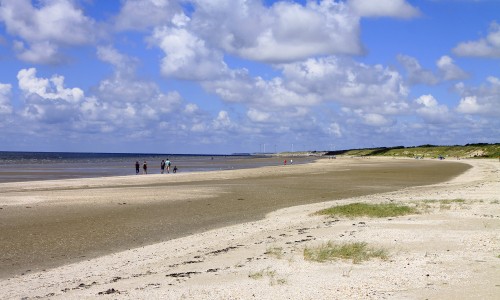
335	129
143	14
222	121
121	62
5	104
347	82
45	28
47	100
199	127
482	101
376	120
191	108
449	70
258	116
484	47
284	32
186	55
38	52
52	88
417	74
431	111
469	105
384	8
256	92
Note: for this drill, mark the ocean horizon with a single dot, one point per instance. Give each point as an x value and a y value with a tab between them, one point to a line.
32	166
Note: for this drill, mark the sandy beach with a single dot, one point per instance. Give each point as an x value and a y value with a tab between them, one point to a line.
208	235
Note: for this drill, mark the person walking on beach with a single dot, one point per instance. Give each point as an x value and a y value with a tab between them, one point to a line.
175	169
145	168
137	167
162	166
168	163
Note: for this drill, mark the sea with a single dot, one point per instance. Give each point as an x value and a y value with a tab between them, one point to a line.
33	166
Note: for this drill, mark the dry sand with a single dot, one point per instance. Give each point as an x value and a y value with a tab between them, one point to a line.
449	251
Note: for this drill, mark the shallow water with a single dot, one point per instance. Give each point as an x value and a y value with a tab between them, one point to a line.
31	166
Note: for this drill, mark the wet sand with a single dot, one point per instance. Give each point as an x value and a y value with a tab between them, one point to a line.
53	223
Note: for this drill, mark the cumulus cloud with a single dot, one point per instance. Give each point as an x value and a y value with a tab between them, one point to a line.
37	52
186	55
44	28
52	88
376	94
431	111
449	70
47	100
121	62
120	103
334	129
384	8
349	83
222	121
376	120
417	74
285	31
258	116
484	47
482	101
144	14
5	103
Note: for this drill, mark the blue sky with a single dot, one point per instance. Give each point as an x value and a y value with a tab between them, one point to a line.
193	76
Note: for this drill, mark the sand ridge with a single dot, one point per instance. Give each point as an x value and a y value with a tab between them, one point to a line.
450	251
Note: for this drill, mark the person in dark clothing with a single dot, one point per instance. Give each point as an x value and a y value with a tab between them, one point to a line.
162	166
137	167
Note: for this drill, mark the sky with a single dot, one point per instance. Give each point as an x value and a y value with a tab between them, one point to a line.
246	76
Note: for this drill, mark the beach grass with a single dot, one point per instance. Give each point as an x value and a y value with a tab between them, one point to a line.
276	252
355	251
271	274
381	210
446	204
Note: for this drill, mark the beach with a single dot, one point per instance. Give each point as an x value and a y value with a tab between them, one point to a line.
203	235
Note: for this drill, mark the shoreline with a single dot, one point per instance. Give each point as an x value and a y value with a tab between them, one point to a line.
217	246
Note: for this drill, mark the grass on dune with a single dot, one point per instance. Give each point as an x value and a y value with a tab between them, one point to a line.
356	251
381	210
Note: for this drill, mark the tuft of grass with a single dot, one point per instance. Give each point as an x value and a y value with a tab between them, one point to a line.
495	202
382	210
268	273
276	252
443	204
256	275
357	252
460	201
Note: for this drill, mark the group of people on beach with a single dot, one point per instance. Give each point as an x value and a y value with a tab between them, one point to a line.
164	165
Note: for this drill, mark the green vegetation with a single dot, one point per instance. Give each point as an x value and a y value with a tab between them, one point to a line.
357	252
276	252
443	204
382	210
268	273
480	150
448	201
